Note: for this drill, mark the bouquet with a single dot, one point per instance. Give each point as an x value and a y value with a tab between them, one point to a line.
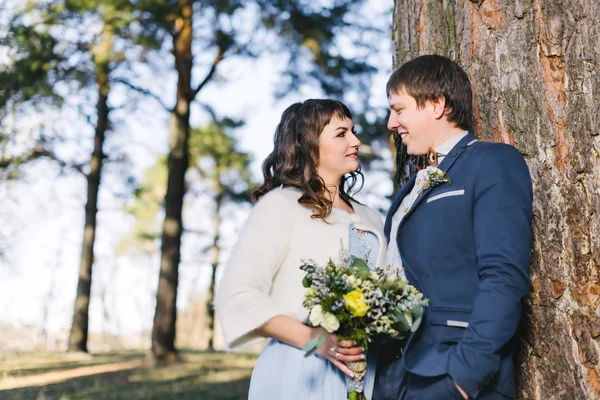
358	303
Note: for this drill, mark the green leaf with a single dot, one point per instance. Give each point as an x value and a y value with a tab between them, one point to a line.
400	322
417	317
306	282
360	265
313	345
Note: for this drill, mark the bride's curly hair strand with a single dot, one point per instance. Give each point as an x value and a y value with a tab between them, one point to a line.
295	156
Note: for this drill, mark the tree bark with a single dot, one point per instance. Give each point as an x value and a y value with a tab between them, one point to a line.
163	329
79	327
534	66
216	250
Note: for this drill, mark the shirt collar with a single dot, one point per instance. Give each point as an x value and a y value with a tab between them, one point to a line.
448	145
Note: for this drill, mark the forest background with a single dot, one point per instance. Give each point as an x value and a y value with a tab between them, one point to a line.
132	131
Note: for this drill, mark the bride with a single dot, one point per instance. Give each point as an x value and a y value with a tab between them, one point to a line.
303	210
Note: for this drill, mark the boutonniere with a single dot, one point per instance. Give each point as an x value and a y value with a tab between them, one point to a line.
433	177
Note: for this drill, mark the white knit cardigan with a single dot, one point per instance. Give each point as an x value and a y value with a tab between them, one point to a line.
262	278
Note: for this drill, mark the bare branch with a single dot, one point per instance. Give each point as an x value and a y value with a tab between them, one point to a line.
210	74
40	152
194	231
143	91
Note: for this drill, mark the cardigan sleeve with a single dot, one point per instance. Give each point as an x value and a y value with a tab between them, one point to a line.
242	300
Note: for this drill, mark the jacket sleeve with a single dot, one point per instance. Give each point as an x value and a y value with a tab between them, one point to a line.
242	300
502	231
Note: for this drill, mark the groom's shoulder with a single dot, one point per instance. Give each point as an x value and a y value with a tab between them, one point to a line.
498	154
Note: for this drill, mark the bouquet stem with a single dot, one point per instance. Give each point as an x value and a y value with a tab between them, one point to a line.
355	385
354	395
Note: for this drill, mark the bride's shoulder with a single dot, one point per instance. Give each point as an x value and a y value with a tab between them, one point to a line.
279	197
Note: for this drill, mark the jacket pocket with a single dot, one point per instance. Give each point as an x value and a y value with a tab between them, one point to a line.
449	193
453	317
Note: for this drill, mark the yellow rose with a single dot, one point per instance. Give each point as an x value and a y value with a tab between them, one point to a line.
355	302
310	292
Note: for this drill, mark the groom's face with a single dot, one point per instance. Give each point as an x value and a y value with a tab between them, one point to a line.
415	125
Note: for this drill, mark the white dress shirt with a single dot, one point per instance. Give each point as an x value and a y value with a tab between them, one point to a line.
393	258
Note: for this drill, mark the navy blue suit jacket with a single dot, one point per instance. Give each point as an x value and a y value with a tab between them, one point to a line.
466	246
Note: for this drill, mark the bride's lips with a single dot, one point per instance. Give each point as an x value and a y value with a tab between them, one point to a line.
353	156
403	135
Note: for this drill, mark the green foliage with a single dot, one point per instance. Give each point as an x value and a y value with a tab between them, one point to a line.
214	155
34	55
149	199
313	345
51	46
361	266
316	29
228	171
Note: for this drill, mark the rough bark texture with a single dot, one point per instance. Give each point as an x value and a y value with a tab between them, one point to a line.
535	70
79	327
163	328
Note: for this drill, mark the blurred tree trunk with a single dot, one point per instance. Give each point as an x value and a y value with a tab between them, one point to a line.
78	336
216	250
165	316
535	71
163	328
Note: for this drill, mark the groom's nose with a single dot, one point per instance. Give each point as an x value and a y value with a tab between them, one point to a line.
392	123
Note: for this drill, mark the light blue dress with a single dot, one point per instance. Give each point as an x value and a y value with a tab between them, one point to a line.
282	371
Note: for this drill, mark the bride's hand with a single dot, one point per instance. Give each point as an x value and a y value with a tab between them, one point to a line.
340	352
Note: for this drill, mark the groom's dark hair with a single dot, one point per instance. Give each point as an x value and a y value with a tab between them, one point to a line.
429	77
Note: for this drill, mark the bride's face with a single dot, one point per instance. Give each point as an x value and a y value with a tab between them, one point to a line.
338	150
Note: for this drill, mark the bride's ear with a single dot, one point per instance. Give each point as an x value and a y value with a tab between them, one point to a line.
438	107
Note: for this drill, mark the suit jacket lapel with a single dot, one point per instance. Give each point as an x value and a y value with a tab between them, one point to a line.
404	190
456	151
445	166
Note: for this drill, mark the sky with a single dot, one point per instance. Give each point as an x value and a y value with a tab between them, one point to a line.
42	215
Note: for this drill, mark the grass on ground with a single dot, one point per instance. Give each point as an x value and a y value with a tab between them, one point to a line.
124	375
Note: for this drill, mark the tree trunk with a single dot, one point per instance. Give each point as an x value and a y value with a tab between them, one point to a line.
79	327
216	250
535	70
163	329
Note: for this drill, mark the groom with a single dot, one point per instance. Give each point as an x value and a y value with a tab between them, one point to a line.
463	239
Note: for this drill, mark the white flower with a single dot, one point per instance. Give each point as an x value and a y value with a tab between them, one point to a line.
316	315
330	322
350	280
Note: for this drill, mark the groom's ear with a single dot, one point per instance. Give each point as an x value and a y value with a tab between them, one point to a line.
438	107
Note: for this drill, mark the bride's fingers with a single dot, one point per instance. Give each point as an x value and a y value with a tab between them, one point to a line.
343	367
353	351
347	358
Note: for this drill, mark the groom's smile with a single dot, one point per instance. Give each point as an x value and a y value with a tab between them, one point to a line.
420	126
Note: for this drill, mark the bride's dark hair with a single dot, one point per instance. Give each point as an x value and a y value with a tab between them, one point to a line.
295	156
